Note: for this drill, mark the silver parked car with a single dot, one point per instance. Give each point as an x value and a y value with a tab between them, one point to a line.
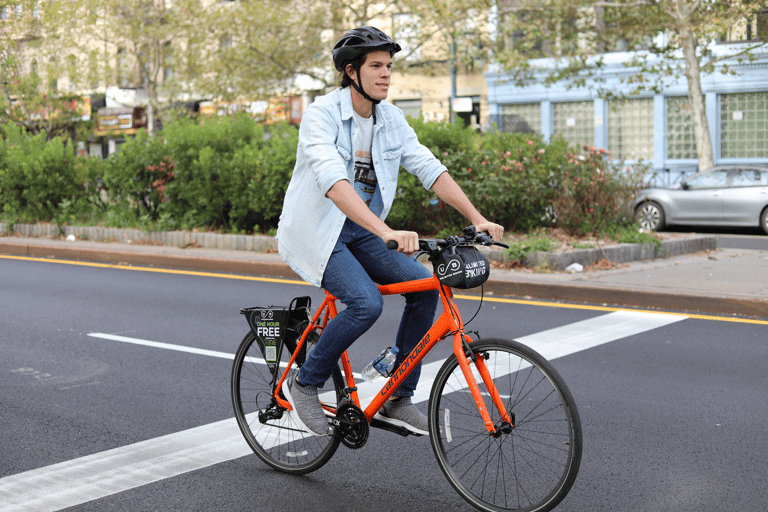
726	195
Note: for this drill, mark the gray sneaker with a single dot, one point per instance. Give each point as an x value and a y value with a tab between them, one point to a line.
403	413
307	410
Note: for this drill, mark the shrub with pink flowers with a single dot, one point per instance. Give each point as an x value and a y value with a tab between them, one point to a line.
519	181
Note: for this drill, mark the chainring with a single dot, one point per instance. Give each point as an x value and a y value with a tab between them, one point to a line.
351	425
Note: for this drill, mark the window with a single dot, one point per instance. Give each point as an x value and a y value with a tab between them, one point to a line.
53	69
712	179
122	68
681	140
749	178
744	125
411	108
169	61
575	121
71	70
630	129
516	37
753	29
520	117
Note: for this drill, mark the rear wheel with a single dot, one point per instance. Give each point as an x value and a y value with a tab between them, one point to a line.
650	215
764	220
529	467
270	430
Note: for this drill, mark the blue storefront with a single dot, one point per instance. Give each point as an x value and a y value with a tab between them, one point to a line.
654	128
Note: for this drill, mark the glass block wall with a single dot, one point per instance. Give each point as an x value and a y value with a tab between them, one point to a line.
575	121
744	125
520	117
630	129
681	140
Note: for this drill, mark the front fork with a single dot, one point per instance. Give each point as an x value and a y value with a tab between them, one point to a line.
466	357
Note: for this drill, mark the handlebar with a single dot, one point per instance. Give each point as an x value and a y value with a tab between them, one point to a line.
434	246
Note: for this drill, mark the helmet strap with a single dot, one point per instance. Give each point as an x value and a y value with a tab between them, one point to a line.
359	88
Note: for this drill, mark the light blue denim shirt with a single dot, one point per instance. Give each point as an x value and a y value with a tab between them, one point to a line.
310	223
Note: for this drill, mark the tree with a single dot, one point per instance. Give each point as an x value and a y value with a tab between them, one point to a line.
145	44
668	38
257	48
37	73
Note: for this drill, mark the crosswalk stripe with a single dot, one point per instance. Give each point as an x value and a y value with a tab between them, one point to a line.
102	474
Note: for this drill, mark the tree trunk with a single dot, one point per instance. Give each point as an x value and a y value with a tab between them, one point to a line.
696	97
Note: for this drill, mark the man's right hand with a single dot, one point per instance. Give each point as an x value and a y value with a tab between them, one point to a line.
407	241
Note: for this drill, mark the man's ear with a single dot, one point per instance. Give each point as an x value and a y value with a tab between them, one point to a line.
351	72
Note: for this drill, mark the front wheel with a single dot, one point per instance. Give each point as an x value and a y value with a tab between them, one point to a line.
270	430
650	215
764	220
530	467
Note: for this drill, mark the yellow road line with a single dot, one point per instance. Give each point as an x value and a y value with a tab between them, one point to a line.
464	297
613	309
158	270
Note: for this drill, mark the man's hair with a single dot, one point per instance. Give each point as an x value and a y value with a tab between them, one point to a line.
357	63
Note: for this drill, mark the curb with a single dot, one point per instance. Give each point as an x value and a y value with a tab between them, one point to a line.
622	253
181	239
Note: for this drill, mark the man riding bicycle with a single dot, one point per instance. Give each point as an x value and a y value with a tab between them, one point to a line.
352	143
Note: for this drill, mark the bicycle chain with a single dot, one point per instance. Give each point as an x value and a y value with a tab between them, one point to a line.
351	425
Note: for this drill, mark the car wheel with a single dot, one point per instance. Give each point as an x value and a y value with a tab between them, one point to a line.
764	220
650	215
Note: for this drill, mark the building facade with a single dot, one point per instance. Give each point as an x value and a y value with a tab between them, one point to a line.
652	128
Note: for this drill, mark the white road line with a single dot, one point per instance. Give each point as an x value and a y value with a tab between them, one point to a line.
157	344
102	474
571	338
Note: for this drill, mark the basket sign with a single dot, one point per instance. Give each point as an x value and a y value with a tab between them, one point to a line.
268	324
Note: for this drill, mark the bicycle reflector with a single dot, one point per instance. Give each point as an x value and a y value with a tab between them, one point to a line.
462	266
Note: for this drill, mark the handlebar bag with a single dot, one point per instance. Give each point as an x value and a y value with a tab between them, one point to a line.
462	266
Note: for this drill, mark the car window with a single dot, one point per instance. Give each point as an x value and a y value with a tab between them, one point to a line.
749	178
711	179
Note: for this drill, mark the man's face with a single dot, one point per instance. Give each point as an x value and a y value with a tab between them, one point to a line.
375	74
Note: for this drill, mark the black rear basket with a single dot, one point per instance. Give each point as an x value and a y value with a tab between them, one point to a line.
275	327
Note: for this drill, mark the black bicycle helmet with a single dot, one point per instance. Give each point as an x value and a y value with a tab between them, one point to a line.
359	41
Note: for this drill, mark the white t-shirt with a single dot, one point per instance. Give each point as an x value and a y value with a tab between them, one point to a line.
365	174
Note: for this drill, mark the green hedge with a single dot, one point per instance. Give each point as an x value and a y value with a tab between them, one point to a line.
231	175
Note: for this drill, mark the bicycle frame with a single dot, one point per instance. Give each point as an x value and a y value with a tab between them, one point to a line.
449	322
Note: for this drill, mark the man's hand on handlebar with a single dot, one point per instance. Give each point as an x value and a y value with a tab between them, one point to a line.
407	241
496	231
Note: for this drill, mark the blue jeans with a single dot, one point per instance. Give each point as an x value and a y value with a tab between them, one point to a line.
359	261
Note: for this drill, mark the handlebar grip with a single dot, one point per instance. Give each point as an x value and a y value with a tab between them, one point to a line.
392	245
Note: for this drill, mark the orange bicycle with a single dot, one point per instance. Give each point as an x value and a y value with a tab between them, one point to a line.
502	423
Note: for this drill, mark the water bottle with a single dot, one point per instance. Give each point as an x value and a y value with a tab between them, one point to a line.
382	365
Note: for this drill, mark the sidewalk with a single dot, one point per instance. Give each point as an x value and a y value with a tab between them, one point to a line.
721	281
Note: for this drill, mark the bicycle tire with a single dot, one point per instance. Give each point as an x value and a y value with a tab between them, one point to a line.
280	443
530	468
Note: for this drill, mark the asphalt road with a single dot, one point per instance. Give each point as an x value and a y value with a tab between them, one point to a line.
672	406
